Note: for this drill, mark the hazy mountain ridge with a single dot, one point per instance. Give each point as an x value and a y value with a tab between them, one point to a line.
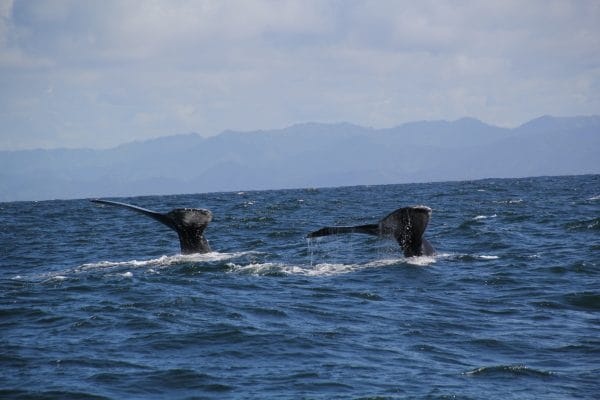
306	155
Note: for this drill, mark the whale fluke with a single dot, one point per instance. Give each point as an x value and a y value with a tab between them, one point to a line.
189	223
406	225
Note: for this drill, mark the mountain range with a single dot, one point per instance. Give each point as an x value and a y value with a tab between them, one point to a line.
306	155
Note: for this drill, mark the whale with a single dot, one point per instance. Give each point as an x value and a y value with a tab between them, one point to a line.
406	225
189	223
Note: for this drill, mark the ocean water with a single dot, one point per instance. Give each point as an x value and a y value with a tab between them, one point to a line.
96	302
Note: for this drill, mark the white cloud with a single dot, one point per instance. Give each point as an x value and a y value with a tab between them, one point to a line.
124	70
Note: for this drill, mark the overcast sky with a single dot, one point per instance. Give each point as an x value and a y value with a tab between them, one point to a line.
79	73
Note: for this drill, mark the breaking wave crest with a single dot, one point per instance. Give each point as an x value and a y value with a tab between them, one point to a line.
508	370
246	266
165	261
117	267
323	269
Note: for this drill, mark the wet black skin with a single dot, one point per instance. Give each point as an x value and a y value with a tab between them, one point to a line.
407	225
189	223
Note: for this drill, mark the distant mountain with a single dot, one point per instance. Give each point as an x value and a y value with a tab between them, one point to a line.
306	155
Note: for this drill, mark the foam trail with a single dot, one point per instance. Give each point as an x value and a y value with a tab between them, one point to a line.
323	269
160	262
487	257
479	217
421	261
165	261
467	256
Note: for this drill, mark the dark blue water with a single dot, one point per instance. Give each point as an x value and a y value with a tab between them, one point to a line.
95	302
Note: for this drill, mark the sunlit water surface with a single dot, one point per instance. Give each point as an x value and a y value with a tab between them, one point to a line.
96	302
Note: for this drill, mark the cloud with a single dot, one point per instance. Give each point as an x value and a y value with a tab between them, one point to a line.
100	73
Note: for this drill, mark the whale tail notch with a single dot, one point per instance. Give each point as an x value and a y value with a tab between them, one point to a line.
189	223
406	225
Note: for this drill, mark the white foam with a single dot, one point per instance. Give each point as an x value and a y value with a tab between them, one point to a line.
126	268
421	261
511	201
459	256
55	278
165	261
153	265
484	217
323	269
487	257
594	198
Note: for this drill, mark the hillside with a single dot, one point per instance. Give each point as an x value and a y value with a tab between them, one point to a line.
306	155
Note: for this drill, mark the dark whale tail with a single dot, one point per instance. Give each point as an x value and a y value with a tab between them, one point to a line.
407	225
189	223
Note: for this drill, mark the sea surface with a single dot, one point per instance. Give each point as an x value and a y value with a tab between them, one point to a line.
97	303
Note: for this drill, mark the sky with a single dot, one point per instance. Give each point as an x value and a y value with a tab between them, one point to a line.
84	73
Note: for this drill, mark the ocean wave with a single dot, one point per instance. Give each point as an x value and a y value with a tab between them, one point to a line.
509	201
584	300
323	269
480	217
512	370
471	257
116	266
584	225
124	268
165	261
421	261
486	257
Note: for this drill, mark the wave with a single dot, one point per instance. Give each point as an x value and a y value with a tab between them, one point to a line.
421	261
512	370
486	257
115	266
584	225
123	268
584	300
509	201
468	257
323	269
480	217
165	261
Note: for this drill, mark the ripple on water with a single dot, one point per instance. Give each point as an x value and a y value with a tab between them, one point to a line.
584	300
508	371
508	308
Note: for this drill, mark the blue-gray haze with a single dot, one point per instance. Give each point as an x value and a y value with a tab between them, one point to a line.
306	155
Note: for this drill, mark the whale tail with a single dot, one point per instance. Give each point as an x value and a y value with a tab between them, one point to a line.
407	225
189	223
372	229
